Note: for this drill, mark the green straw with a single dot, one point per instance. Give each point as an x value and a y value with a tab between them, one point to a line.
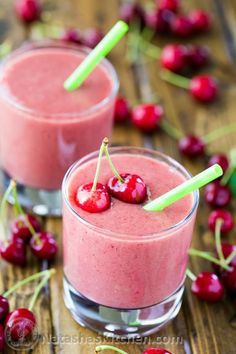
185	188
95	56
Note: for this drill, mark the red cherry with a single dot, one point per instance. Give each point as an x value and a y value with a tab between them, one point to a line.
204	88
172	5
4	308
130	12
93	202
43	245
201	20
198	56
28	10
173	57
20	324
221	160
20	229
156	351
216	195
228	221
71	36
159	20
91	37
121	110
132	190
146	116
192	146
208	287
2	338
181	26
227	249
229	280
14	252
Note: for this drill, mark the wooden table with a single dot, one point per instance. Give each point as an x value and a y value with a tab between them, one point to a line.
200	328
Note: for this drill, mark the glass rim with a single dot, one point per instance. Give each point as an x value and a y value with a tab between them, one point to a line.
60	44
137	150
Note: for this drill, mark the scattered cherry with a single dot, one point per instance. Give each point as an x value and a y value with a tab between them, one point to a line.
227	249
226	216
121	109
20	324
147	116
43	245
229	280
158	20
173	57
216	195
2	338
204	88
132	190
198	56
20	229
221	160
200	20
93	201
72	36
91	37
181	26
28	10
130	12
171	5
208	287
14	252
156	351
4	308
192	146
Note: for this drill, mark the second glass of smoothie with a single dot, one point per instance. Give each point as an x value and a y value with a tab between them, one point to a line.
44	128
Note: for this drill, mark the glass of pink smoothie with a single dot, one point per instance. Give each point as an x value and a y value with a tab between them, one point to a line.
44	128
124	268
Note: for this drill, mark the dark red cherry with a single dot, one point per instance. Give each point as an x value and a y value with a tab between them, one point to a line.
181	26
132	190
229	280
91	37
28	10
227	249
192	146
19	324
72	36
159	20
207	287
201	20
221	160
198	56
216	195
172	5
93	202
2	338
173	57
130	12
226	216
4	308
20	229
156	351
147	116
43	245
204	88
14	252
121	110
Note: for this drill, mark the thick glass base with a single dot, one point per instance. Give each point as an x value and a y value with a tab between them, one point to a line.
41	202
119	323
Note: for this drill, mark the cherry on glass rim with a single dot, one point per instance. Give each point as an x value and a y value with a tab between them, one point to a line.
93	201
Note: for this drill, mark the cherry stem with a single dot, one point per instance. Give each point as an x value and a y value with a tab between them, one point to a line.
208	257
175	79
3	208
111	165
219	250
190	274
230	257
27	280
133	42
5	48
218	133
109	347
150	49
172	131
39	288
232	168
97	173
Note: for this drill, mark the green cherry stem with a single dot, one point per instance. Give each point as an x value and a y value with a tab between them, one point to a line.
218	133
172	131
39	288
190	274
133	42
111	165
208	257
97	173
28	280
3	209
150	49
230	257
5	48
100	348
175	79
219	223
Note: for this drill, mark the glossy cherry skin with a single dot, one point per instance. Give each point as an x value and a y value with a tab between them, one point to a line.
221	160
130	12
28	10
229	280
226	216
146	116
192	146
44	246
173	57
72	36
20	229
91	37
133	190
20	324
4	308
93	202
2	338
204	88
216	195
156	351
198	56
122	111
171	5
201	20
227	249
181	26
14	252
159	20
207	287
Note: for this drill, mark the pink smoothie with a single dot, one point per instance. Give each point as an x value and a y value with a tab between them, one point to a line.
44	128
123	257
